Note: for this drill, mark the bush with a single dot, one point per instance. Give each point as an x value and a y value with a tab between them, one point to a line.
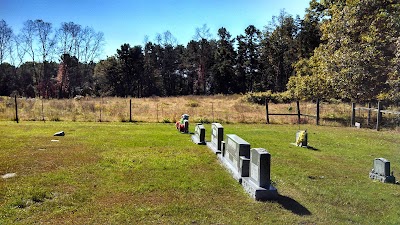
192	104
259	97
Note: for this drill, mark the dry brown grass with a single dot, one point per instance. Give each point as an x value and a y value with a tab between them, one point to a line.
205	109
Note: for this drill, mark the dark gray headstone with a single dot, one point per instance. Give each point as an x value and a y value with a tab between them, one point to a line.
199	134
217	136
186	129
258	184
381	171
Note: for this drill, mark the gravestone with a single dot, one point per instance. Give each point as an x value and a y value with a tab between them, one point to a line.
301	138
381	171
217	135
236	156
199	134
258	183
186	128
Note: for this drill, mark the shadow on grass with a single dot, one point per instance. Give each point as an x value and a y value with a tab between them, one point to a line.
312	148
292	205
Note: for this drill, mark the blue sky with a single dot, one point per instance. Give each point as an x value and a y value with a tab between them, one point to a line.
124	21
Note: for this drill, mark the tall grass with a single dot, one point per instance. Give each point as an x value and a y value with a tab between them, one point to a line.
206	109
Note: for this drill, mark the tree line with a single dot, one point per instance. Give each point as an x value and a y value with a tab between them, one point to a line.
36	55
347	50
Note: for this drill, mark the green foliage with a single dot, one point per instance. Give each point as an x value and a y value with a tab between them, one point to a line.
355	60
260	97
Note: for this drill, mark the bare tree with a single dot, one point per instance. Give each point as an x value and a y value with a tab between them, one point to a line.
37	39
90	45
26	40
68	38
46	39
6	34
169	39
202	33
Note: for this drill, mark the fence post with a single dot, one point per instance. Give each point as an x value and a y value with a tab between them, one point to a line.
130	110
16	109
212	111
369	113
42	110
266	110
353	114
298	111
317	112
379	115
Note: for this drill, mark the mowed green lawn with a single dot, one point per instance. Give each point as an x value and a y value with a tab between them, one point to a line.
123	173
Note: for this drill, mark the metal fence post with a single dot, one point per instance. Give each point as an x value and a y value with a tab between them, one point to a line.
317	112
379	115
353	114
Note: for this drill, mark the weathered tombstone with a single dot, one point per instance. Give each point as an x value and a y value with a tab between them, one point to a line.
258	184
301	138
236	156
217	135
381	171
199	134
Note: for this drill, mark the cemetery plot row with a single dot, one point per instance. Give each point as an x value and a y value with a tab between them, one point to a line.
251	167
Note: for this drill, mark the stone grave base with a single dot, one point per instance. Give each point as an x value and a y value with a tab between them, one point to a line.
303	146
213	148
230	168
383	179
196	140
259	193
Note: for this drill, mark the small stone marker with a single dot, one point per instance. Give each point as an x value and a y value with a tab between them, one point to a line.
301	138
60	133
258	184
217	135
199	134
236	156
381	171
8	175
357	125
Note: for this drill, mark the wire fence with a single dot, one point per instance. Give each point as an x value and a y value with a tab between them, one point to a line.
202	109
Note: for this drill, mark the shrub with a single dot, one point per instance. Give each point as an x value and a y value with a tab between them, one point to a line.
259	97
166	120
192	104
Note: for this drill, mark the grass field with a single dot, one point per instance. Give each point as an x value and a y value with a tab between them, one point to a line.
129	173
